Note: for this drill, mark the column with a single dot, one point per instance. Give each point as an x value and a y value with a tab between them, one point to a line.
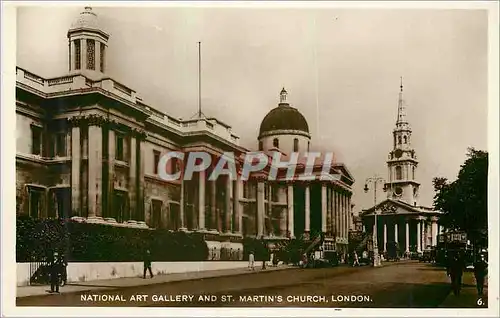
323	208
76	152
434	232
407	234
97	56
396	231
83	53
236	207
111	171
343	215
284	211
419	237
132	178
239	214
337	214
182	225
140	215
214	218
201	200
227	210
385	237
261	205
290	210
307	203
95	169
72	56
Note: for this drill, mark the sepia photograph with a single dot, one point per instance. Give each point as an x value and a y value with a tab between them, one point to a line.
250	156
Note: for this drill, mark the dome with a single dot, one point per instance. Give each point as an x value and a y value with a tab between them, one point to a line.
284	117
87	19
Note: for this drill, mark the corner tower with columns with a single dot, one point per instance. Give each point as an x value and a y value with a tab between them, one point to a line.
401	220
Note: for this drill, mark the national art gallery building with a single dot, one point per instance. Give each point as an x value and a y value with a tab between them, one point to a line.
88	148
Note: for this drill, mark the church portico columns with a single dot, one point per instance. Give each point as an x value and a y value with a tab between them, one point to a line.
407	235
396	231
434	231
419	239
384	242
227	212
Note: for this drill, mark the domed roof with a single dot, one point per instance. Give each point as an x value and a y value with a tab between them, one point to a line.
87	19
284	117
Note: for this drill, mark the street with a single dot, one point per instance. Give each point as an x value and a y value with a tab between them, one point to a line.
395	285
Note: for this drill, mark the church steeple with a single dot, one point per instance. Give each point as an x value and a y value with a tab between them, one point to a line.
402	161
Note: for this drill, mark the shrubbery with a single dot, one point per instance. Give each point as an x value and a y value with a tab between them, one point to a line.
258	247
82	242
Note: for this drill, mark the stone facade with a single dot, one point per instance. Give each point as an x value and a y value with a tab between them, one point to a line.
88	147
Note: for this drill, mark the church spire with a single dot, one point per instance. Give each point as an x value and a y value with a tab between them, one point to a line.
401	108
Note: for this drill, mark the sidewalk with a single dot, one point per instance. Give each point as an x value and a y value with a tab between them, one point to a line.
468	296
27	291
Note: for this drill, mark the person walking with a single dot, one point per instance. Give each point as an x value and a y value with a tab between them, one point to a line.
356	259
251	261
455	271
55	272
147	265
480	271
64	270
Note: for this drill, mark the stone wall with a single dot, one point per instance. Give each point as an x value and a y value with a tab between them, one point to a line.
81	272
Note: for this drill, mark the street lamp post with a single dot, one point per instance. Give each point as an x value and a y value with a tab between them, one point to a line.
375	180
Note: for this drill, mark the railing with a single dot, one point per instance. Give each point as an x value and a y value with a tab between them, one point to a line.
39	272
122	88
33	77
60	80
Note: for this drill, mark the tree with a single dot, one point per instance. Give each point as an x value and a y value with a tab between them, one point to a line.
464	201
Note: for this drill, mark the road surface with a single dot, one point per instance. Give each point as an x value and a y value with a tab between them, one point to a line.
395	285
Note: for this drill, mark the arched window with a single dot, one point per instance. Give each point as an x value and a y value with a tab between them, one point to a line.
296	145
276	143
404	139
261	145
308	144
399	140
399	173
413	173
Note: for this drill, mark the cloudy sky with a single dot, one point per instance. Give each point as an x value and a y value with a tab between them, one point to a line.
341	68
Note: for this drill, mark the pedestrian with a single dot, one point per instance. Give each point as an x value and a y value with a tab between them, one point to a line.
64	271
55	271
455	271
356	259
251	260
480	270
147	264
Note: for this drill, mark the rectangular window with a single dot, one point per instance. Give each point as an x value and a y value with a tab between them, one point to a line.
119	148
34	203
36	137
91	54
103	51
156	160
156	214
78	51
61	145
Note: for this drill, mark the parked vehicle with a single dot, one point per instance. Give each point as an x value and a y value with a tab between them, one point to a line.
426	256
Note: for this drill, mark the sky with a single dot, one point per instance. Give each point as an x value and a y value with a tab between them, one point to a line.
341	68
